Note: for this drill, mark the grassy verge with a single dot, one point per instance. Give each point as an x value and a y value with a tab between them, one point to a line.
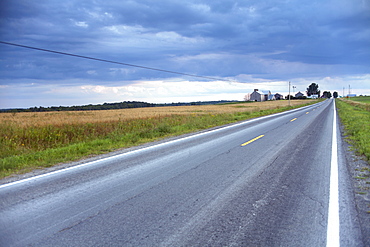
26	148
356	119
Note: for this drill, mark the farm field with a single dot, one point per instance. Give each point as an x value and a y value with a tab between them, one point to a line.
363	99
361	102
31	140
25	119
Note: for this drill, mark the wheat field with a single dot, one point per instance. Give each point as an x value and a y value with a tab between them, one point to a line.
29	140
27	119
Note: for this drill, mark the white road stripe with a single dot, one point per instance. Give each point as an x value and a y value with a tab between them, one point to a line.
333	237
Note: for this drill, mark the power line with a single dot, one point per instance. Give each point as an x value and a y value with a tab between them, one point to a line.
109	61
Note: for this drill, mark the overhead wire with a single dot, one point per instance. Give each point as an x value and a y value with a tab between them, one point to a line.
113	62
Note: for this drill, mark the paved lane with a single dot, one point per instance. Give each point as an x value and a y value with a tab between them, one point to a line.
263	182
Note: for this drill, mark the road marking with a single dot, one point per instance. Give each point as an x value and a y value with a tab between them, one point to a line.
293	119
254	139
332	236
307	112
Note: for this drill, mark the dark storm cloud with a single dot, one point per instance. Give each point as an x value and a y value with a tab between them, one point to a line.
199	37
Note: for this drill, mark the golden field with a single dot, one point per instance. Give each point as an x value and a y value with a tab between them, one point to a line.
26	119
30	140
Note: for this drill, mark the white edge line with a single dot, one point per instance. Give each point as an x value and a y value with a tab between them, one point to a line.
150	147
333	236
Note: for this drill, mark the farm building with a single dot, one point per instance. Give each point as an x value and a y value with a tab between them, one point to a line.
313	96
279	96
299	95
258	95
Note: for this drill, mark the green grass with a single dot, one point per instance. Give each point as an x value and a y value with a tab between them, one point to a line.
28	148
363	99
361	193
356	120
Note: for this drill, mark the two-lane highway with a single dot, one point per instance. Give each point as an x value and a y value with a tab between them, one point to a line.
262	182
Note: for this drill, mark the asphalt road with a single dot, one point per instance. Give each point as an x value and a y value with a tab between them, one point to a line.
263	182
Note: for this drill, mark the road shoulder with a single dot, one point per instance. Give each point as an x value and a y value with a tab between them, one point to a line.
359	185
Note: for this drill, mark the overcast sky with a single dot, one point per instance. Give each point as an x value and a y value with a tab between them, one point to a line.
250	43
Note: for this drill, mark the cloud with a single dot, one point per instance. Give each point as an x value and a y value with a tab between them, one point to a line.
66	93
82	24
265	40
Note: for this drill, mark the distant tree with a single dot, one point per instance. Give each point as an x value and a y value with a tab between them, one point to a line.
335	95
313	89
289	96
326	94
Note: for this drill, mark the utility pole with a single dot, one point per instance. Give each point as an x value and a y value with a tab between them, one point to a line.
289	94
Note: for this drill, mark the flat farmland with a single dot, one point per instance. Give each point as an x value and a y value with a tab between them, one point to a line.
25	119
363	99
31	140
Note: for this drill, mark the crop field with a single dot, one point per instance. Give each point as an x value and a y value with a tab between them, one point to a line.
362	99
25	119
361	102
31	140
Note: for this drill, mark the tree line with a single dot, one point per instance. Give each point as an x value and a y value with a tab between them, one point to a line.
313	89
112	106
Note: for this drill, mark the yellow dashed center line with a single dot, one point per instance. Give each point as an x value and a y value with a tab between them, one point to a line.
254	139
307	112
293	119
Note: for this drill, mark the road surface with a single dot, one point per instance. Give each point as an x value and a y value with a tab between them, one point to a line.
262	182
